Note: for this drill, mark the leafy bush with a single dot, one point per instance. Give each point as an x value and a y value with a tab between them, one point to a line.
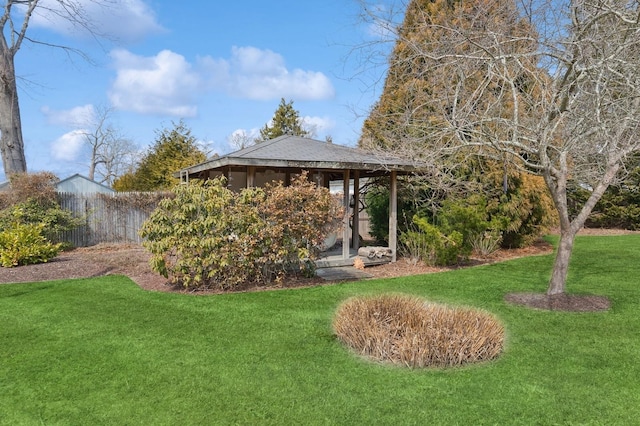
525	212
32	200
53	218
486	243
522	214
478	224
412	332
36	186
208	236
428	243
22	244
377	207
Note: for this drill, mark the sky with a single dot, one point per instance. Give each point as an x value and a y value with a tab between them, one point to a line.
222	67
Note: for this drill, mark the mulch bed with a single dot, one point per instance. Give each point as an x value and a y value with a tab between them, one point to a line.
133	261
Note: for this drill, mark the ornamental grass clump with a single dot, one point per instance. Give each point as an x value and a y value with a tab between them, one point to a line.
409	331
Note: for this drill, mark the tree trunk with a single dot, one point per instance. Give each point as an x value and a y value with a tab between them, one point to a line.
569	228
92	165
11	143
558	281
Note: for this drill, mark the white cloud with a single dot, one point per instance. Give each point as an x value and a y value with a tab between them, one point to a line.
258	74
318	125
124	20
164	84
75	117
167	84
68	146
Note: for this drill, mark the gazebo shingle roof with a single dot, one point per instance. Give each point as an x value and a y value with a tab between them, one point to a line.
298	152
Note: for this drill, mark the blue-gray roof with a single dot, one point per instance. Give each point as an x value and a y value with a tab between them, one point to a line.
81	184
298	152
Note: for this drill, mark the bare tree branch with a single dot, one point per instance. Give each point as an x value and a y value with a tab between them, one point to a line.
553	86
14	24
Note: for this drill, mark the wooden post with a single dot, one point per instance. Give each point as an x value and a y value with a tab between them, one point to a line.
345	220
355	230
393	215
251	176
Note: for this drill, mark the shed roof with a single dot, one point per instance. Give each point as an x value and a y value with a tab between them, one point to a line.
297	152
81	184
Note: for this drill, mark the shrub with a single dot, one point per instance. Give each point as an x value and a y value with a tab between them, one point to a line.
522	211
32	200
485	243
525	213
428	243
24	245
377	207
412	332
208	236
30	212
36	186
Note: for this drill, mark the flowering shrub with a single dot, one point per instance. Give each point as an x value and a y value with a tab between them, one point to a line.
208	236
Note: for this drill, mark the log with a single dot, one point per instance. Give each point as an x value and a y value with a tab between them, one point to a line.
373	252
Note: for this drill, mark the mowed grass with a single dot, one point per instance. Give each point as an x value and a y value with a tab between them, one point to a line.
103	351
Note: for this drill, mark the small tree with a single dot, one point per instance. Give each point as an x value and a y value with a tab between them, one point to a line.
111	154
286	121
552	88
174	149
240	139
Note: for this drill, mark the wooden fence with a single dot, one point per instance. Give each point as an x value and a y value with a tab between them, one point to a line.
108	218
117	217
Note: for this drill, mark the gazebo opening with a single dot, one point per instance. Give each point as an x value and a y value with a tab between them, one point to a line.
284	157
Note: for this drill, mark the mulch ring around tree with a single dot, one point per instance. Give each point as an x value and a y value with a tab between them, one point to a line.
560	302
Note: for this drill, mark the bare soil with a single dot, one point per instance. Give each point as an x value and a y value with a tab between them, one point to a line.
133	261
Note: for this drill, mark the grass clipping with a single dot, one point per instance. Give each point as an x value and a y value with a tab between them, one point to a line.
409	331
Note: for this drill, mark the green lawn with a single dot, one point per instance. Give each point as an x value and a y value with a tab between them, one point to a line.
103	351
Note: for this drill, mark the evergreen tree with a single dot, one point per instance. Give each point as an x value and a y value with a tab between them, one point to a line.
174	149
416	100
286	121
419	104
561	99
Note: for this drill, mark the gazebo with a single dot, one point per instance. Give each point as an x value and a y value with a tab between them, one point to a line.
284	156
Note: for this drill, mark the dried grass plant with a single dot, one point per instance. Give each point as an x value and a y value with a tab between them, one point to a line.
409	331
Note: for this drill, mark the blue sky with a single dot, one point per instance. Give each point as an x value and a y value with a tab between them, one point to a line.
221	66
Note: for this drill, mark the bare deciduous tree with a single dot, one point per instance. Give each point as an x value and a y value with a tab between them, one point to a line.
240	139
562	101
111	154
14	22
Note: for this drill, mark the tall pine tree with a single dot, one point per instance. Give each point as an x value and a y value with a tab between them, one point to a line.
286	121
417	101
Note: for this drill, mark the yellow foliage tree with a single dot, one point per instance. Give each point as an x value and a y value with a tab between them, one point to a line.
174	149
